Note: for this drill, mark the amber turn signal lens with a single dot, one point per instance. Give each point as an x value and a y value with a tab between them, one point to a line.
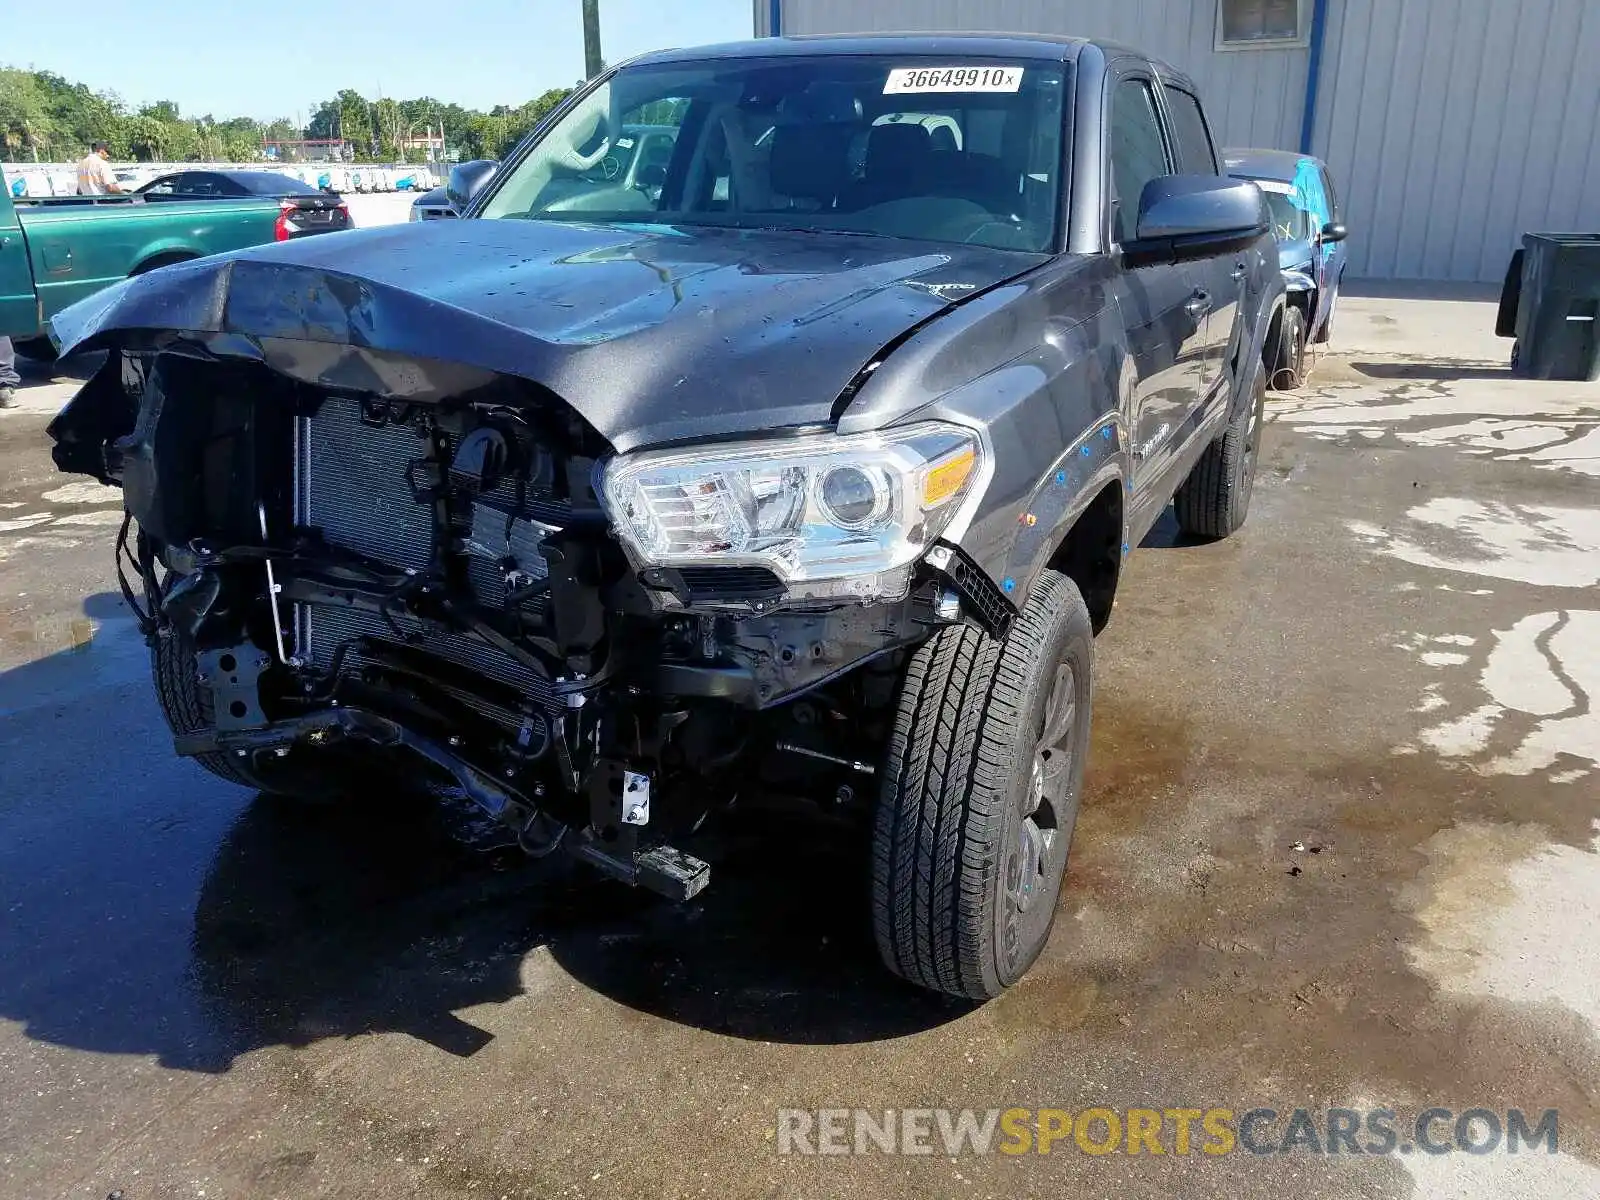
946	478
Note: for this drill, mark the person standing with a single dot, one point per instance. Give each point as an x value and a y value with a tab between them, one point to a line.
9	379
95	176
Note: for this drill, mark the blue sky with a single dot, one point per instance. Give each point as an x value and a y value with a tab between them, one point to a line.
263	59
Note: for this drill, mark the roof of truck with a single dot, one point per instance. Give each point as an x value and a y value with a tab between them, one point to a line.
987	45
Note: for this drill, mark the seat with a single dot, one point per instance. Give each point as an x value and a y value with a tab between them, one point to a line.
898	166
810	161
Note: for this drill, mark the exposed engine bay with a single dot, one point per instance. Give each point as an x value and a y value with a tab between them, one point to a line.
441	578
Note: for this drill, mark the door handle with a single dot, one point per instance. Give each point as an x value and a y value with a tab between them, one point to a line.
1198	305
1239	273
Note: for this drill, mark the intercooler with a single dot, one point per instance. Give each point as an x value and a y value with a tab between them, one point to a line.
353	482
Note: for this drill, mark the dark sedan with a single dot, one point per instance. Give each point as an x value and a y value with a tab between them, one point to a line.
305	210
466	179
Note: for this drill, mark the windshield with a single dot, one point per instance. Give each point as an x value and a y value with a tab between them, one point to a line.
958	150
1289	224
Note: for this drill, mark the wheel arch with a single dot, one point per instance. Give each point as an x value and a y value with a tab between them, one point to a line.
169	257
1264	342
1075	524
1092	550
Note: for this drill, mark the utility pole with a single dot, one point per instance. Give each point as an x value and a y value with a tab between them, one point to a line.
593	63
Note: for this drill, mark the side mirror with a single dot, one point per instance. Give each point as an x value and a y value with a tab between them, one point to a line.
1186	217
467	180
652	176
1334	231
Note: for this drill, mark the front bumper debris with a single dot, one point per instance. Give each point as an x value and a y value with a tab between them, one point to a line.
662	869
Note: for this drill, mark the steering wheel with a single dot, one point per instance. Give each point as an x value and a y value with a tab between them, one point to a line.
610	166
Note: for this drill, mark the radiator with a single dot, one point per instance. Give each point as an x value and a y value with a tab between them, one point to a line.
352	481
353	485
327	626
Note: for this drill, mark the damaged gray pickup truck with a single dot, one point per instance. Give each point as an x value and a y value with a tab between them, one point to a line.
802	455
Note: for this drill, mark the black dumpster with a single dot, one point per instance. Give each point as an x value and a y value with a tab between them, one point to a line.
1558	307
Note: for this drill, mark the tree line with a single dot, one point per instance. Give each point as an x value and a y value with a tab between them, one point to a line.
46	118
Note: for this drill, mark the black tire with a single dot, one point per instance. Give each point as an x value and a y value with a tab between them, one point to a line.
1289	360
187	708
979	798
40	349
1215	500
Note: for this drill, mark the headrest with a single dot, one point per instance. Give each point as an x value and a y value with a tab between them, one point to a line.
896	152
820	103
810	161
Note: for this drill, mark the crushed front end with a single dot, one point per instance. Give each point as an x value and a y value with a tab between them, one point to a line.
448	572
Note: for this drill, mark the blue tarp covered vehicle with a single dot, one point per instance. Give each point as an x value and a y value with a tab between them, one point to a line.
1311	247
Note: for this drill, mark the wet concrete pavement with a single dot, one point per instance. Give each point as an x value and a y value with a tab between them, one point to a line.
1393	667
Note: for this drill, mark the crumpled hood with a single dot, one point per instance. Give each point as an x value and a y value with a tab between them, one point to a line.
652	333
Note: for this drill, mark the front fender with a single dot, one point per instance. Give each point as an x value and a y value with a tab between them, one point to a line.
1097	460
1298	282
1055	424
1039	367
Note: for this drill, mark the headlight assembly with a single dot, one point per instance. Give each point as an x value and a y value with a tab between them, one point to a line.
827	514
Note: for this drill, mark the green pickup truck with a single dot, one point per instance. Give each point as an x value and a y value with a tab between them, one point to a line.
55	252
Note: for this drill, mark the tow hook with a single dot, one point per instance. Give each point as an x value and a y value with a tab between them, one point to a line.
662	869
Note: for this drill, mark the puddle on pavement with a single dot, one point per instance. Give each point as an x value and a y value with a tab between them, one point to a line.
1528	705
1252	983
1507	915
1477	410
1543	545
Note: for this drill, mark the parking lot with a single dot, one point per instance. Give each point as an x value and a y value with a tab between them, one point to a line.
1339	849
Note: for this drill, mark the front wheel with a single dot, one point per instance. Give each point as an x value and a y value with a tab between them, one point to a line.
187	706
980	796
1289	361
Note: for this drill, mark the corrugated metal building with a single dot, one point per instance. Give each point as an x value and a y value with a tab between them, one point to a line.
1452	126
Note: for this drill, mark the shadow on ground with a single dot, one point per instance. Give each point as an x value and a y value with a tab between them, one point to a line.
1442	371
327	923
153	910
1165	534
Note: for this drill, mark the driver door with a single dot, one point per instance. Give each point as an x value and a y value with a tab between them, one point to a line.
1163	313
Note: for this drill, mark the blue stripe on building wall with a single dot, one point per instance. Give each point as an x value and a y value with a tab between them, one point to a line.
1319	35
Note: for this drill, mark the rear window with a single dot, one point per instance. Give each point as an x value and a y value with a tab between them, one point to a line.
264	183
952	150
1196	154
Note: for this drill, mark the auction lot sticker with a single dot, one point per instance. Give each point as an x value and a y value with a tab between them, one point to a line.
904	80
